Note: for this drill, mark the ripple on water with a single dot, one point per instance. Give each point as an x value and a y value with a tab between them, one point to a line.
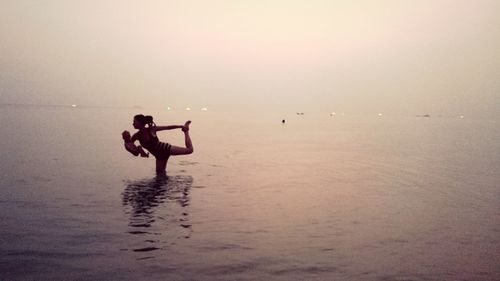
146	249
306	270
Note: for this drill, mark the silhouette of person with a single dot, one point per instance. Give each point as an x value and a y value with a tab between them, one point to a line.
146	135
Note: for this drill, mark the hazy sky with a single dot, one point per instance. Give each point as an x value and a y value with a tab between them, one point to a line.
422	56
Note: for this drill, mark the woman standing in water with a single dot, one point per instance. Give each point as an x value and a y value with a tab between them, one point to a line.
160	150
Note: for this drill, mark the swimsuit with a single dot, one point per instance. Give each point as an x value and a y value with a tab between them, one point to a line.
160	150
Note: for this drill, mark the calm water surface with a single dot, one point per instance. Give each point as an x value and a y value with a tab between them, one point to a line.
318	198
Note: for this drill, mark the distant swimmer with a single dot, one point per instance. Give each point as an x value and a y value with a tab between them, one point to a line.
146	135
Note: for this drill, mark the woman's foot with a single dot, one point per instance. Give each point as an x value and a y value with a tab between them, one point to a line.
186	126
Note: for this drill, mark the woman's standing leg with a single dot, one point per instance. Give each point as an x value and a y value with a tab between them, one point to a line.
161	166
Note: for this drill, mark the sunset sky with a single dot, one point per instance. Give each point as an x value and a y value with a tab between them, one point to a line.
429	56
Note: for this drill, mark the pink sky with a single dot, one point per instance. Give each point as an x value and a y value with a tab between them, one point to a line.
364	56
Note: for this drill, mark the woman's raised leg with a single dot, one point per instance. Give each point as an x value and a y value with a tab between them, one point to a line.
176	150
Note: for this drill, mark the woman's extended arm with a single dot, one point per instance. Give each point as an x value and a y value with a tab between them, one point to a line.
171	127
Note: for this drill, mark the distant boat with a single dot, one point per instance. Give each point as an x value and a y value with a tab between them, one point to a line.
425	115
188	108
74	105
204	109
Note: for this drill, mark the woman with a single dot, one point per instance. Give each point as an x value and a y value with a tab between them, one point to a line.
160	150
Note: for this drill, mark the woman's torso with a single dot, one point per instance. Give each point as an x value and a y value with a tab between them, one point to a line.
150	141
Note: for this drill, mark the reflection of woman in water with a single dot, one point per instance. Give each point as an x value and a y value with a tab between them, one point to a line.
160	150
143	197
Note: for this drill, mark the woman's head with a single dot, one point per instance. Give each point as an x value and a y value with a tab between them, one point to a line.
141	121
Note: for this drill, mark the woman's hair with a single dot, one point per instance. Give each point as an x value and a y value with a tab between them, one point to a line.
146	120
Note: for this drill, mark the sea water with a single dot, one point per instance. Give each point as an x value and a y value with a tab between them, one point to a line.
318	197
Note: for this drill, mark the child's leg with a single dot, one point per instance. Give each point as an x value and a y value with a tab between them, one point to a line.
142	152
132	149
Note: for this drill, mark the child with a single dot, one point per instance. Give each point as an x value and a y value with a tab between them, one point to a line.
131	147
